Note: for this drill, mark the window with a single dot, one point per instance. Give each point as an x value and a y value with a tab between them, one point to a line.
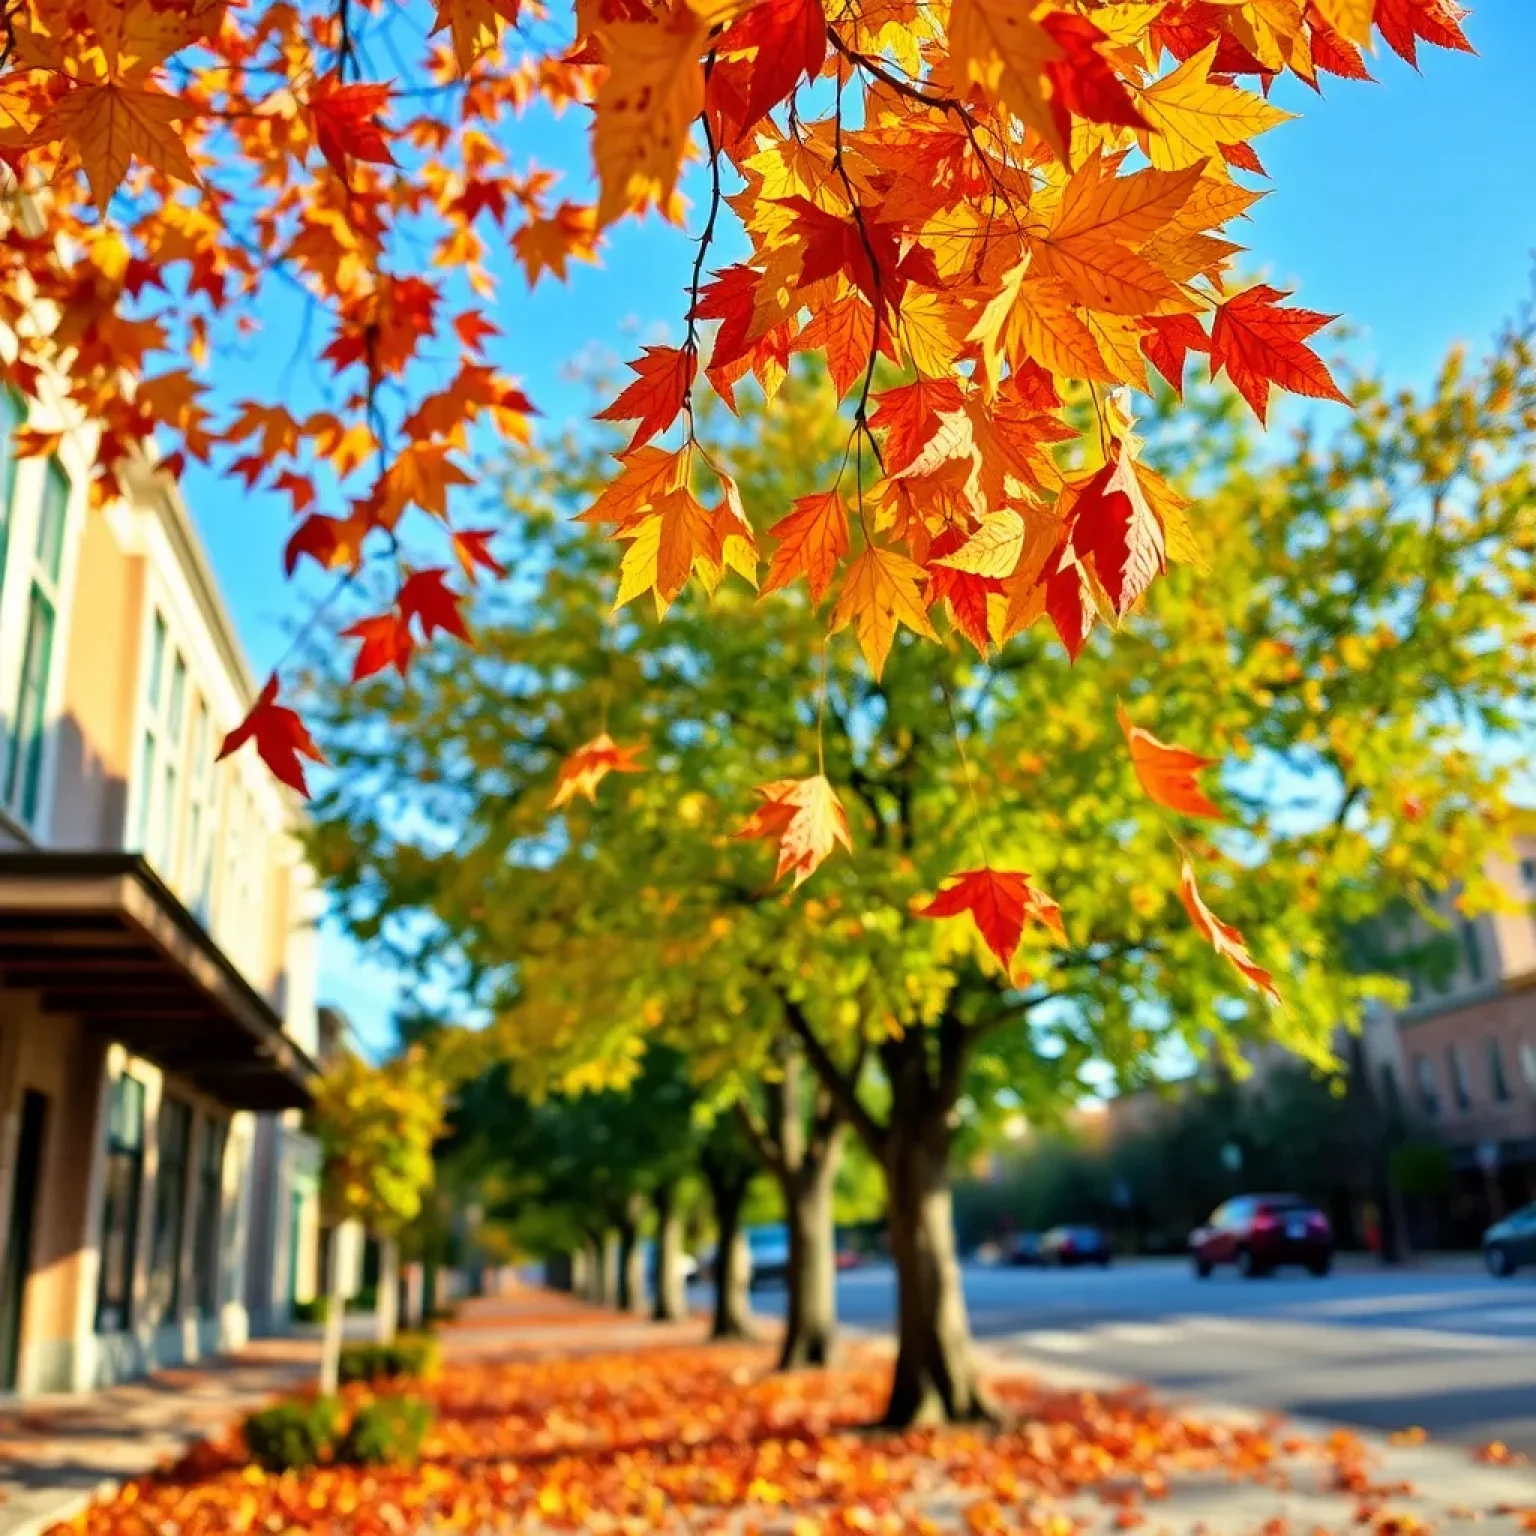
1460	1093
173	1138
120	1204
201	789
1528	1064
12	414
24	752
1472	947
1498	1084
1429	1093
1528	873
210	1203
162	753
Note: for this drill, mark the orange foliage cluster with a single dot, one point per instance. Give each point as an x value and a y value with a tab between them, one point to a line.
702	1440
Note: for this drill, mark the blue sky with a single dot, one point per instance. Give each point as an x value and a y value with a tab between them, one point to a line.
1408	206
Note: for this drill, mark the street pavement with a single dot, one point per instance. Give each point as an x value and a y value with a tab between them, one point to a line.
1453	1353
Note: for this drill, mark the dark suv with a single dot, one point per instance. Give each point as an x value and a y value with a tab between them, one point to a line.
1259	1233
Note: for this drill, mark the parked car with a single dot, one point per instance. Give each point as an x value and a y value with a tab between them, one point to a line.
1026	1250
1260	1233
768	1248
849	1258
1070	1246
1509	1243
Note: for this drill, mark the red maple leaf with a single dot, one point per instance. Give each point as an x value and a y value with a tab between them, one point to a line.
655	398
472	546
1258	343
1000	902
1167	342
1083	83
1117	530
280	736
909	416
385	642
316	537
1438	22
791	40
426	597
347	124
474	329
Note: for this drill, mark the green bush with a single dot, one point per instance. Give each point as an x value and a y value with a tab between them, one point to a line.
293	1434
365	1300
411	1355
388	1432
315	1311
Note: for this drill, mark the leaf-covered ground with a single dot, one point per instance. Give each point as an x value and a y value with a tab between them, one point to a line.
707	1440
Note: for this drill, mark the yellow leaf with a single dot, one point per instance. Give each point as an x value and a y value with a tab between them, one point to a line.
664	546
476	26
644	110
1192	117
994	548
999	46
1031	318
882	589
928	328
111	125
1349	18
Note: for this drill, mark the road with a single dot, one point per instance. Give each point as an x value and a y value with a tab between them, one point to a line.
1454	1353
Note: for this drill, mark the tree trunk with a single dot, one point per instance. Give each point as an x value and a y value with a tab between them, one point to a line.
935	1378
631	1262
733	1307
671	1286
581	1273
608	1271
387	1301
810	1321
335	1319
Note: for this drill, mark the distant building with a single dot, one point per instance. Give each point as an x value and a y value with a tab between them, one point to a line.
158	948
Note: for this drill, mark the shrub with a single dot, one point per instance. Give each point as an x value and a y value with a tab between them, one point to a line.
315	1311
411	1355
388	1432
365	1300
293	1434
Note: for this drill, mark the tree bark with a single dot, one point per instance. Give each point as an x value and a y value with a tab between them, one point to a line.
810	1321
581	1273
935	1377
608	1271
671	1286
386	1309
335	1319
631	1259
728	1184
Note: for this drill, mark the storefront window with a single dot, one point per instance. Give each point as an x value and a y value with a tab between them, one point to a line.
210	1211
120	1204
174	1142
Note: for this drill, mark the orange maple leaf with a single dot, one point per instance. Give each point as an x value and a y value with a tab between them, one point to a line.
1222	937
1000	902
1259	343
812	539
656	397
807	820
426	597
1167	772
280	736
385	641
589	765
347	123
471	547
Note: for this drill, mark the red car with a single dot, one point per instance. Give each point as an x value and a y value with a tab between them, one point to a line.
1259	1233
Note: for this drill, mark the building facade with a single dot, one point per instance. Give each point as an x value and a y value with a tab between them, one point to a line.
158	949
1457	1064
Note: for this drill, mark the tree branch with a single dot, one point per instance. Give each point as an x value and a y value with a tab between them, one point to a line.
757	1133
843	1090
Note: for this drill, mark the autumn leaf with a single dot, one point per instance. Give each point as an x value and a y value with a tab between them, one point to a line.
1259	343
1351	19
282	742
426	597
385	641
1193	116
881	590
112	125
1404	23
998	46
1116	530
656	397
993	549
1222	937
475	26
348	126
790	42
1166	772
663	547
645	108
811	541
806	819
471	547
590	764
1000	903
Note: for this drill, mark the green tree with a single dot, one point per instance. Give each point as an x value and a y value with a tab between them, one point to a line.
1353	639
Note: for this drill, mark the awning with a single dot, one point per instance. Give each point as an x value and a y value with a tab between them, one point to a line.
99	936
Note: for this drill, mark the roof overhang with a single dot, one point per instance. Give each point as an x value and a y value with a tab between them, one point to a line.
98	936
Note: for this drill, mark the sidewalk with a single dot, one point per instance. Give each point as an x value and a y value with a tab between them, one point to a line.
555	1417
